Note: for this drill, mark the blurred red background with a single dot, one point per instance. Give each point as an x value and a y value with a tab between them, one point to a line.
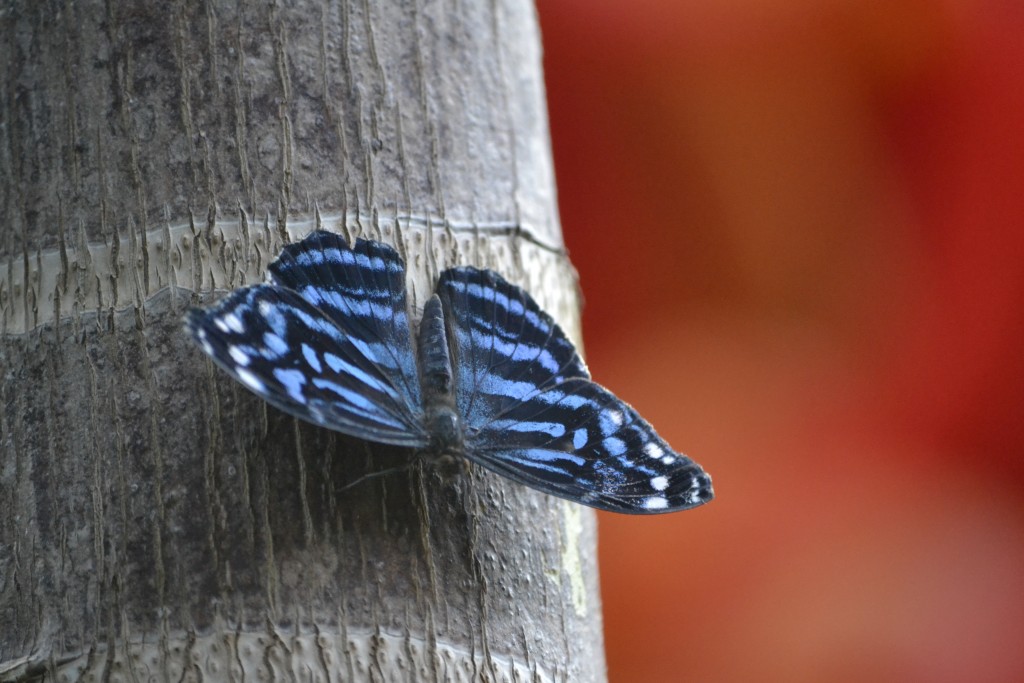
798	228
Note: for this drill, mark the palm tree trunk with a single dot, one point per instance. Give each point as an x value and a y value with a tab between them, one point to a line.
156	520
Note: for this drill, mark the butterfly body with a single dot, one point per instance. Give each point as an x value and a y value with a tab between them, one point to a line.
441	413
490	376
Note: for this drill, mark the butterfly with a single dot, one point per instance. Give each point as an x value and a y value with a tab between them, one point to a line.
489	376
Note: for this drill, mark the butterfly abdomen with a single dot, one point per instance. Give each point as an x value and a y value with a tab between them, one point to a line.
442	416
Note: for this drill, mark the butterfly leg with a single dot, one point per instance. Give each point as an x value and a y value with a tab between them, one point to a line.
381	473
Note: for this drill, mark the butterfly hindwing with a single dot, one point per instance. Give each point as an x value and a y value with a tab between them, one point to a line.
506	349
362	289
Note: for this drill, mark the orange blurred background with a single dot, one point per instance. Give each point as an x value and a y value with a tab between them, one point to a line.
799	228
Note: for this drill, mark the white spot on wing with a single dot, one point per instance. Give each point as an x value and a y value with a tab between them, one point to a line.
610	421
251	380
656	503
653	450
234	323
238	355
659	483
207	347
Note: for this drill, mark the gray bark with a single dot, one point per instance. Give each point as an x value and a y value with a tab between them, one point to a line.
157	520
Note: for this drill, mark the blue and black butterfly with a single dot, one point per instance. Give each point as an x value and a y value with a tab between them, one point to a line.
489	376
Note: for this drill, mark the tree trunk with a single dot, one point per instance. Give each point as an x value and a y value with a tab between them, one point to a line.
158	521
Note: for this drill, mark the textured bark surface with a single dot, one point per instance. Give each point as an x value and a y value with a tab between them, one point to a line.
156	520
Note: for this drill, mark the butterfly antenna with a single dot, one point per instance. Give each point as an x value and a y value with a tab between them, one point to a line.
374	475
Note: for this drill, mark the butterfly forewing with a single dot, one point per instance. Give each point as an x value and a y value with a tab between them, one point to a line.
506	349
316	366
578	441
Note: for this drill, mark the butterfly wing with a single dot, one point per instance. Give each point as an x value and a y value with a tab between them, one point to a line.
532	414
579	441
327	341
362	289
506	349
